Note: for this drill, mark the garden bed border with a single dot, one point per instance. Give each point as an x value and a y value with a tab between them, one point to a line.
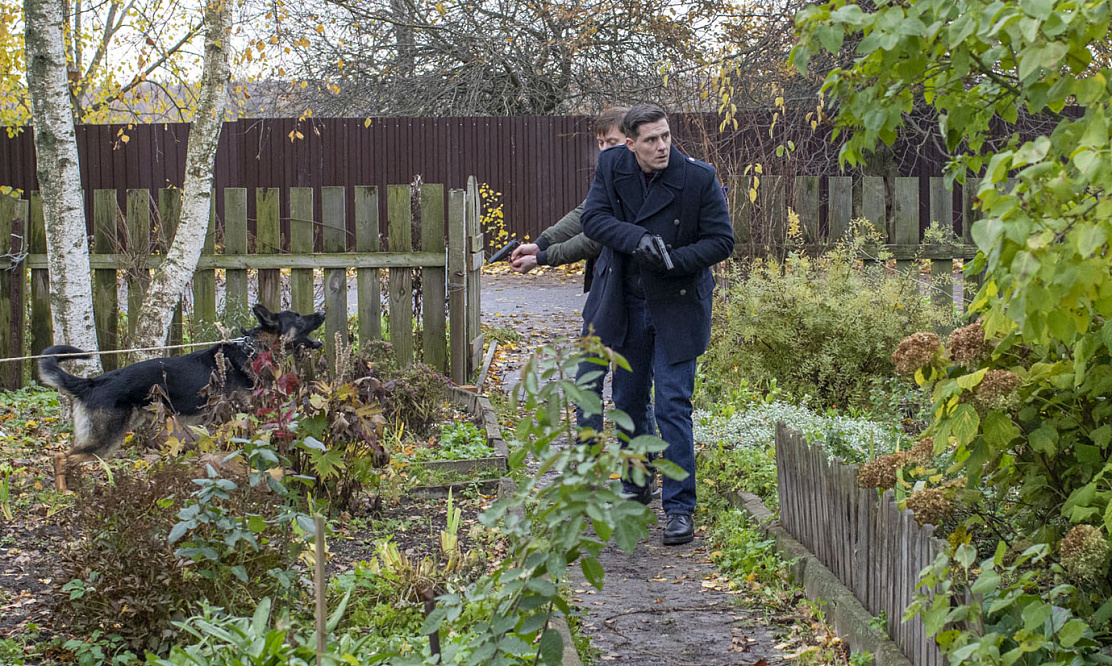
851	621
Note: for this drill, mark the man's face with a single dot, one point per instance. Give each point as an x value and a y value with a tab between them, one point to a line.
652	145
612	138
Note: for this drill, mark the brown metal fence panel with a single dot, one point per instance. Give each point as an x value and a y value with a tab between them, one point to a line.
541	165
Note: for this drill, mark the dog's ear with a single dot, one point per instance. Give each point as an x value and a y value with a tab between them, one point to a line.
266	318
312	322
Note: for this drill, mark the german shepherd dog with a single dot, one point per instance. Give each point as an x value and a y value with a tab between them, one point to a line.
104	406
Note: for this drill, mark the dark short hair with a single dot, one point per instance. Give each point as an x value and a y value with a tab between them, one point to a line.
609	119
638	116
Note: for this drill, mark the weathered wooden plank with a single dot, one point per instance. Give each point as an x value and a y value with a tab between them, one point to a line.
267	229
399	238
301	242
17	293
840	211
138	246
741	209
368	288
970	213
474	276
861	546
169	213
771	199
42	327
806	205
106	307
457	283
334	239
269	261
435	336
905	220
942	270
10	317
7	320
203	324
873	204
237	310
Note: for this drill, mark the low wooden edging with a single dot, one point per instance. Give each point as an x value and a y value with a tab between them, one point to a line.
850	619
479	406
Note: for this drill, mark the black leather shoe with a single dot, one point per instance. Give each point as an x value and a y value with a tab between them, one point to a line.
679	529
642	494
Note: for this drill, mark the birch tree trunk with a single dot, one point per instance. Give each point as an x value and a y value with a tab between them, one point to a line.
67	242
172	276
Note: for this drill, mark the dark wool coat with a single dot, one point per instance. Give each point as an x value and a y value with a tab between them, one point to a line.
687	208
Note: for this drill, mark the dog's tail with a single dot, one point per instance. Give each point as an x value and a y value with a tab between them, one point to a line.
52	375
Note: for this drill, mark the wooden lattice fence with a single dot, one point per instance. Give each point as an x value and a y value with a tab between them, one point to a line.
130	239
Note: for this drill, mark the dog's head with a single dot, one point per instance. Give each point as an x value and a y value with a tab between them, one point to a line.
287	327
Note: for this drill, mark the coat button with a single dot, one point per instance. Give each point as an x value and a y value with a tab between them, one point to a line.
677	222
683	292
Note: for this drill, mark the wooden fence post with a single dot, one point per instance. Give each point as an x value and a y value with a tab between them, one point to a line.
42	325
457	283
301	241
169	212
432	280
139	249
13	222
368	289
268	241
905	221
334	239
399	238
741	210
942	270
806	204
873	204
203	322
840	210
237	310
474	267
106	309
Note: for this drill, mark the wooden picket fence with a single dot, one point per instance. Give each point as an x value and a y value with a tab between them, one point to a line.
122	254
893	206
876	550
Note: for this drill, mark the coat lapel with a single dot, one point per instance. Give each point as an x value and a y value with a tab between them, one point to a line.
671	181
627	184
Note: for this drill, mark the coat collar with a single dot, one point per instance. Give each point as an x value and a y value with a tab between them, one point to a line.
627	182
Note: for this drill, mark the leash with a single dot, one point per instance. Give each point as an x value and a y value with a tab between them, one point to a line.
122	351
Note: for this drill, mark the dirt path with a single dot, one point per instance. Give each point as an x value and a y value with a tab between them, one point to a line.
660	606
669	606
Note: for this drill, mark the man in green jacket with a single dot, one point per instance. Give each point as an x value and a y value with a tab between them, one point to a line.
564	242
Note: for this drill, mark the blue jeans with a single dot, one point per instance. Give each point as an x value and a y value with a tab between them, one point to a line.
674	383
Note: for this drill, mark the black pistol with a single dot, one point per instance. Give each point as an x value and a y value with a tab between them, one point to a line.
658	243
504	253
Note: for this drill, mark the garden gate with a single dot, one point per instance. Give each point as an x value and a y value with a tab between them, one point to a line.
260	257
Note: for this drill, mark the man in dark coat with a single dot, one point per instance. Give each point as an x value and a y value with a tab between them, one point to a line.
656	316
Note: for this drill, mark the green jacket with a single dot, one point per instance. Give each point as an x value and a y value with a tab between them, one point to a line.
565	243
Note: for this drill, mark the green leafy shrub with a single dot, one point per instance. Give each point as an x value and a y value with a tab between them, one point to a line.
458	441
819	326
122	575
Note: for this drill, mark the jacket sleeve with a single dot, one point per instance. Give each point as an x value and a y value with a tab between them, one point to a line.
715	241
567	243
598	218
